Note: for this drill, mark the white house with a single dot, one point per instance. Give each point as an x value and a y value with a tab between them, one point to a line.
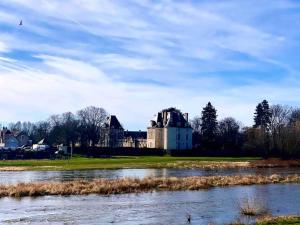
170	130
12	139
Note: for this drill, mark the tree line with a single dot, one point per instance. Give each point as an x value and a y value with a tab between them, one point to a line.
275	132
67	128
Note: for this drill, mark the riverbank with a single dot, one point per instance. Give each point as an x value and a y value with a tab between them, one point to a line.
82	163
274	220
280	220
134	185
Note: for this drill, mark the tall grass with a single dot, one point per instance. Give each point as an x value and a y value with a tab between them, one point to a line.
278	220
134	185
272	220
252	207
268	163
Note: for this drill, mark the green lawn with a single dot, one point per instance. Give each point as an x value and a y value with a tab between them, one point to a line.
81	163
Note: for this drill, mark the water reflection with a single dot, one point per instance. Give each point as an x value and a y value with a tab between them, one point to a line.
8	177
217	205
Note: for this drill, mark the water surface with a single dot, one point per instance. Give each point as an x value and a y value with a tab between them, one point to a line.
217	205
9	177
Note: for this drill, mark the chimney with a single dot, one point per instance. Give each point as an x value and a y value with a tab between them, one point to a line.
165	119
186	117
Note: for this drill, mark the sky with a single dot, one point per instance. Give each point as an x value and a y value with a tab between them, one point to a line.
137	57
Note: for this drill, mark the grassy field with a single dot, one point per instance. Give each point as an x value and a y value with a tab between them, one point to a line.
81	163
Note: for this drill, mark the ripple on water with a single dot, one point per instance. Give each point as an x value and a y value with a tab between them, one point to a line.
216	205
10	177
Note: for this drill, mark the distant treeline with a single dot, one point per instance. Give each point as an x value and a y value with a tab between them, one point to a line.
81	128
275	132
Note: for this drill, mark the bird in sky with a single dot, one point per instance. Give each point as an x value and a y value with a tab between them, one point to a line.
21	23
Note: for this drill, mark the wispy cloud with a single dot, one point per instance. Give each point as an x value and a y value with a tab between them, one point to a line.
136	57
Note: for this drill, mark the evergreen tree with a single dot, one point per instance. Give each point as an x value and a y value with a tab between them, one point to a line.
209	126
262	120
258	115
262	115
266	114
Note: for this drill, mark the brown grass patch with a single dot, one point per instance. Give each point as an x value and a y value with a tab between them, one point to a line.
291	219
134	185
268	163
14	168
208	165
273	162
272	220
253	207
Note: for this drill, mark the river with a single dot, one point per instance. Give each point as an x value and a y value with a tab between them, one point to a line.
216	205
10	177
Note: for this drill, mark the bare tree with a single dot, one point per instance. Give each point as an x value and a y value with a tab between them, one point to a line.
15	126
280	116
196	124
41	131
55	120
91	119
295	115
28	128
229	133
64	129
70	128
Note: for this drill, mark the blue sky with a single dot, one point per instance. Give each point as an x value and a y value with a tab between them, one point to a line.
134	58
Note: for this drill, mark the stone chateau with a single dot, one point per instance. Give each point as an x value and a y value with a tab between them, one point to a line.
170	129
113	135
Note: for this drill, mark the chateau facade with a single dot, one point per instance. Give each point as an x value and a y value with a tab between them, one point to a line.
170	130
112	135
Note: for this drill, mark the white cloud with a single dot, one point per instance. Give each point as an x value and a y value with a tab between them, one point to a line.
70	54
25	92
3	47
120	61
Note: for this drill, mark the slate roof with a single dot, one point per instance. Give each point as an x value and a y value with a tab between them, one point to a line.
135	134
113	123
170	117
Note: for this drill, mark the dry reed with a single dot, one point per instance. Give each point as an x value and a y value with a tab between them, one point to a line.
267	163
272	220
134	185
253	207
13	168
291	219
